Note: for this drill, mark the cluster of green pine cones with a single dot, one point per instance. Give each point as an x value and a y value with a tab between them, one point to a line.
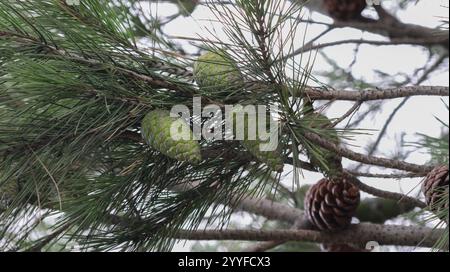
212	72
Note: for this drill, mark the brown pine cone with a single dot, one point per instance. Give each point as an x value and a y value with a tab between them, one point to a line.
434	186
345	10
331	204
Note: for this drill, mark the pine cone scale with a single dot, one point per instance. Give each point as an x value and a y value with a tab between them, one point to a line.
435	186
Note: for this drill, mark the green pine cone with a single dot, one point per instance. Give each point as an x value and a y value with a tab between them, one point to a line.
214	72
156	130
328	162
272	159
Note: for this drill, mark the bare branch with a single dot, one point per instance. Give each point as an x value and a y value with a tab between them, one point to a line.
263	246
388	25
357	234
388	163
402	41
401	198
386	176
375	94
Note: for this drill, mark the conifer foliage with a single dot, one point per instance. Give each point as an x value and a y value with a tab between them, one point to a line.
87	149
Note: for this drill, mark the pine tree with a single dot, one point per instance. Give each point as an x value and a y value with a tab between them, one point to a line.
86	150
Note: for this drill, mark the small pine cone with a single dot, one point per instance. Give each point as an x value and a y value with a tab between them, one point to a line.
272	159
345	10
214	72
331	204
156	131
434	187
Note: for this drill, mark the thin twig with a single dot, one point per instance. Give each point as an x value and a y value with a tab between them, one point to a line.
401	198
354	108
372	160
374	94
386	176
402	41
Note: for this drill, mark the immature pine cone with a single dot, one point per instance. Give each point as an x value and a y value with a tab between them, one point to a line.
215	73
345	10
434	187
331	204
156	130
272	159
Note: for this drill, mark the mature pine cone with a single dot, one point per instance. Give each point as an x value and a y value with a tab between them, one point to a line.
214	72
331	204
345	10
156	130
434	186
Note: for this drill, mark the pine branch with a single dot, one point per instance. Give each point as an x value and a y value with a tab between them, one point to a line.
401	41
153	81
274	210
347	114
388	26
312	93
401	198
388	163
309	167
375	94
357	234
387	176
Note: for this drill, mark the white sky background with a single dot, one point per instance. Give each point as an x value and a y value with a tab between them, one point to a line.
417	116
